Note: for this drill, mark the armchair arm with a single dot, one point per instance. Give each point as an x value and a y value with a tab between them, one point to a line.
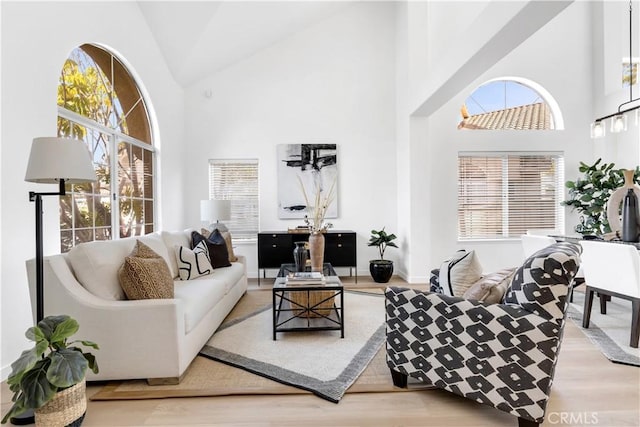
499	355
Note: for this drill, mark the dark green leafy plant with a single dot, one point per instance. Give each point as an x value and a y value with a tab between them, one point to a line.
53	364
381	239
589	195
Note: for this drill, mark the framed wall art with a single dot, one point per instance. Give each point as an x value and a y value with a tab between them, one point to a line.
313	165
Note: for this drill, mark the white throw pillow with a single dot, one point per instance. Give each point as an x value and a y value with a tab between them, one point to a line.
459	273
172	239
194	262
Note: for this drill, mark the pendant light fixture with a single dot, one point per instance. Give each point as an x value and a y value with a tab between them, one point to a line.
619	119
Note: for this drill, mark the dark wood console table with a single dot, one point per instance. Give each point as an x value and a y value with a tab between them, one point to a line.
276	248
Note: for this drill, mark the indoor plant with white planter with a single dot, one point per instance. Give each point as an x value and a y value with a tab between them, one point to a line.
381	269
50	377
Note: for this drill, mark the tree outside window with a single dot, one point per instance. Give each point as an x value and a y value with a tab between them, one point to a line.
100	103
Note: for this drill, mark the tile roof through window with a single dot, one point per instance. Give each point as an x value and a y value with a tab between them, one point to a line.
533	116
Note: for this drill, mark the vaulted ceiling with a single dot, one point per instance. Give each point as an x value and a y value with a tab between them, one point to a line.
198	38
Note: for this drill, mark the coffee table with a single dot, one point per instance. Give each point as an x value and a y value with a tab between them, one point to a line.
313	307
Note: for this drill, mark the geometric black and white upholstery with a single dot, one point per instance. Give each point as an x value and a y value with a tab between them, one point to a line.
502	355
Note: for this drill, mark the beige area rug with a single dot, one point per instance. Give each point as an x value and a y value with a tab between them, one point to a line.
207	377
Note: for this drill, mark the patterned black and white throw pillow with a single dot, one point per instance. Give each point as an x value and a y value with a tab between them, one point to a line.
434	281
194	262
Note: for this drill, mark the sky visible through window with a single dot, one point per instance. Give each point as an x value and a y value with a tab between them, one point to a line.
499	95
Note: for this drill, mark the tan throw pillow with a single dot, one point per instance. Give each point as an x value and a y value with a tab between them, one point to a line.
227	239
145	275
492	287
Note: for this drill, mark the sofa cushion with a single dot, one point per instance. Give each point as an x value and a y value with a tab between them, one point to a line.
96	264
490	288
172	239
145	275
541	284
459	273
217	248
226	235
199	296
155	242
229	276
194	262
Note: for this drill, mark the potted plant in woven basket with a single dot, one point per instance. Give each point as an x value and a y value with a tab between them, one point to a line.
50	377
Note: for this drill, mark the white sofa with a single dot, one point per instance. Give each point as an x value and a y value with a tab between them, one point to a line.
152	339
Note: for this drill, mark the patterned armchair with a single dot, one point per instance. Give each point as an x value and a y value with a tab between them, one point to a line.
502	355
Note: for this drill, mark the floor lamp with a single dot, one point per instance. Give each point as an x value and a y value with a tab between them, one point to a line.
52	161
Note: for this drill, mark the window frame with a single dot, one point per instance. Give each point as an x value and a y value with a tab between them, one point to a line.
558	179
556	116
114	136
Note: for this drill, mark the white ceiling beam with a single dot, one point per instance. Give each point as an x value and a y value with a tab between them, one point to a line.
483	44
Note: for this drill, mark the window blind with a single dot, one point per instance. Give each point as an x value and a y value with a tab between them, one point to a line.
237	180
502	195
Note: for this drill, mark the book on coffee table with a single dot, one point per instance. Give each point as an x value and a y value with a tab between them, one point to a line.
305	278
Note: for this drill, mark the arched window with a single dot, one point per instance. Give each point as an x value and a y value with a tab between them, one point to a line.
511	103
100	103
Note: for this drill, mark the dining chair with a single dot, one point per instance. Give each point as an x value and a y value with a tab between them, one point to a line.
612	269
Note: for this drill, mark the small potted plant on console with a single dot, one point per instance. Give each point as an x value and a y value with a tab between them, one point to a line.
381	269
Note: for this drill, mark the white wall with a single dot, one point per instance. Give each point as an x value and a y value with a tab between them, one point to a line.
402	41
414	179
549	58
332	82
35	42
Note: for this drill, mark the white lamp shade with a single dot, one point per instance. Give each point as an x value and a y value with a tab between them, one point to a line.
54	159
619	123
597	130
215	210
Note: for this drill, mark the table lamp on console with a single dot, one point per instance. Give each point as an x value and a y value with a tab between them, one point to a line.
215	210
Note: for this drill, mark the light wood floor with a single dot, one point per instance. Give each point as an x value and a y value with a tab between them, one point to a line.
588	391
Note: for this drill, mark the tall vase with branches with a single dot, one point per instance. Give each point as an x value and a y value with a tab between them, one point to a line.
316	221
